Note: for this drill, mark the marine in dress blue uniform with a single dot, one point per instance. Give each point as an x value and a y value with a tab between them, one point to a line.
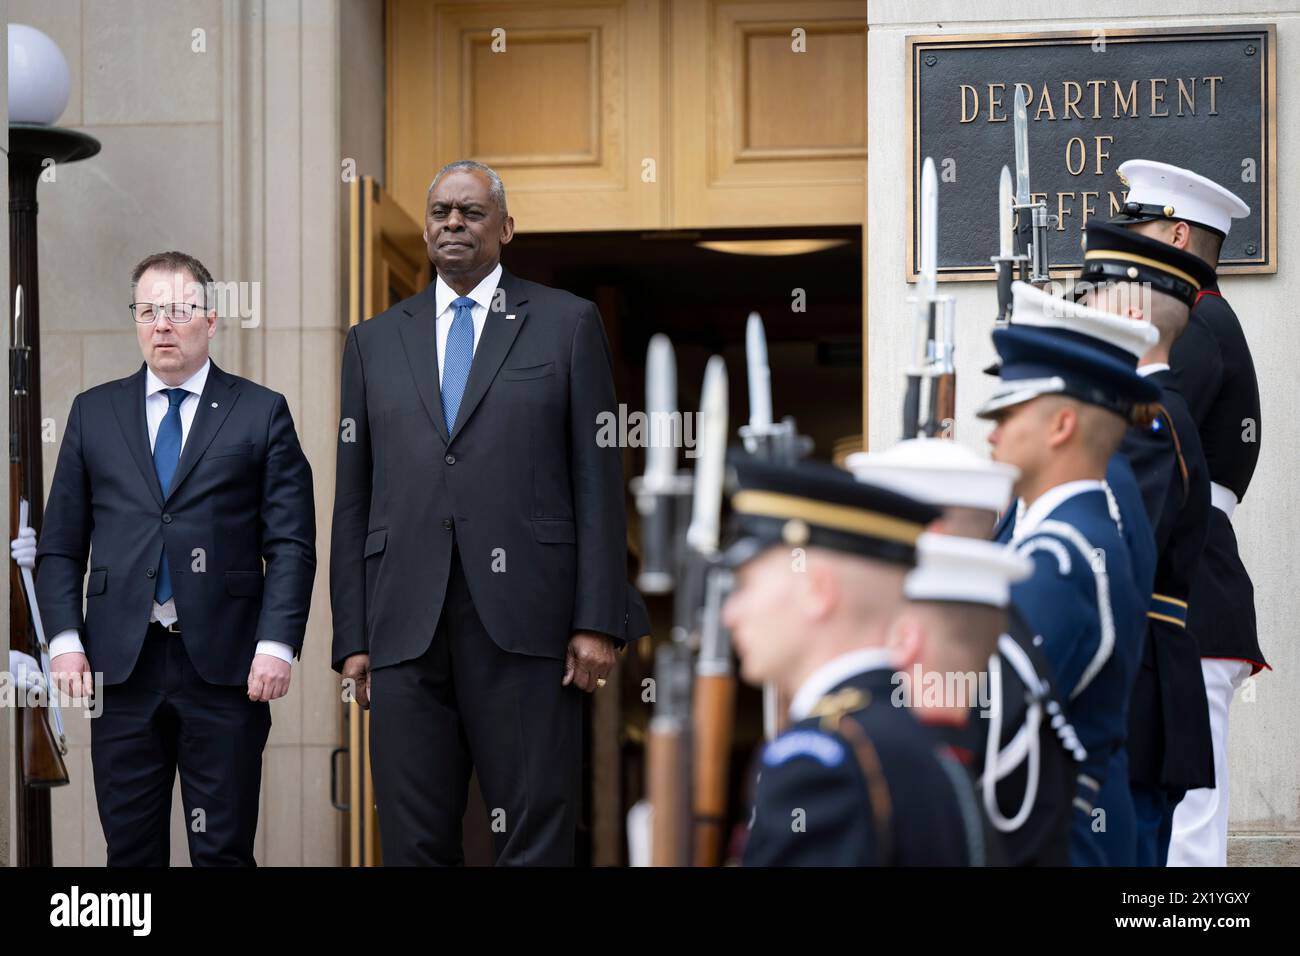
1213	366
1082	600
854	780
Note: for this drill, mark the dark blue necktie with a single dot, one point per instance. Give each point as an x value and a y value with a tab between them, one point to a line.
455	365
166	456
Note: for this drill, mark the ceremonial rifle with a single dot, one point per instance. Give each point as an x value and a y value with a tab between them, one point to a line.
670	758
1033	221
40	750
661	493
930	404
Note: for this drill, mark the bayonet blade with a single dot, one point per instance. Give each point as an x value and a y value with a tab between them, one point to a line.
759	374
929	232
1006	241
1022	146
706	506
661	406
19	340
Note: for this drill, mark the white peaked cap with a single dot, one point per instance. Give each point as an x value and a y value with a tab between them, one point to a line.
1187	195
1036	308
952	568
937	471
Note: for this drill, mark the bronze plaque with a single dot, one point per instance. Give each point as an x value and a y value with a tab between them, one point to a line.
1202	98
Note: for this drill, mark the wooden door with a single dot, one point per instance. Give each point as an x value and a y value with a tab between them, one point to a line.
388	263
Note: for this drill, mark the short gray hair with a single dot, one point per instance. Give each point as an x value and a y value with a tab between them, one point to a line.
496	188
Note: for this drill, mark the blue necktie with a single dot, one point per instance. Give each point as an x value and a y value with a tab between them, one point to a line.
166	456
455	365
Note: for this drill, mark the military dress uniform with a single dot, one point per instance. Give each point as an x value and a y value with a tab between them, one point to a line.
1030	753
1214	369
1169	730
1082	599
1022	749
860	782
854	780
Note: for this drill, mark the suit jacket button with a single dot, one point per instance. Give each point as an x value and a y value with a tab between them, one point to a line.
167	519
450	459
149	572
446	524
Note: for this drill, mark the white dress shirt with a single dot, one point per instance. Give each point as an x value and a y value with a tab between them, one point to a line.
155	410
444	295
834	672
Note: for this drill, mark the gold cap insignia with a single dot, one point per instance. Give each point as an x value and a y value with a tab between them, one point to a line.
795	532
1169	210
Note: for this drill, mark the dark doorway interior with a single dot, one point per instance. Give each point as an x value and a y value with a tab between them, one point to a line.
665	282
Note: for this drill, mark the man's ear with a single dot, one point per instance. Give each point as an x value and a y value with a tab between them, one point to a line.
1180	235
906	641
1064	423
819	590
507	229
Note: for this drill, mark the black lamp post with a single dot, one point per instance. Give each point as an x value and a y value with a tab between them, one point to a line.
31	147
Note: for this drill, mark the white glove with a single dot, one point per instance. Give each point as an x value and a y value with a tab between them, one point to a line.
23	548
25	670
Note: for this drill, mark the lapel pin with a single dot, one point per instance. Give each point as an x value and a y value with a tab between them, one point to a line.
214	404
510	317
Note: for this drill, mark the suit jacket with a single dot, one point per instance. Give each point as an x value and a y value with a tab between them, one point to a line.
239	527
520	486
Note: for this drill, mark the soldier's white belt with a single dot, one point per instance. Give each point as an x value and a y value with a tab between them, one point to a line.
1222	498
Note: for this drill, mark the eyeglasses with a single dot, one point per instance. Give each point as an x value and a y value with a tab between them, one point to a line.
146	313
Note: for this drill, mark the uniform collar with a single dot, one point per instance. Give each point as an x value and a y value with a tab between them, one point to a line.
194	384
1145	370
1049	501
833	673
482	293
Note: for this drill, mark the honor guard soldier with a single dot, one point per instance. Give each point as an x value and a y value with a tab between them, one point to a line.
1169	730
1213	365
1025	751
1063	403
820	563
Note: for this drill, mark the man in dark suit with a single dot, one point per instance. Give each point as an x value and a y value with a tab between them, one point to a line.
186	488
478	549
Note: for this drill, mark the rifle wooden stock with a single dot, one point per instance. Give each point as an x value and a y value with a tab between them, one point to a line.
666	758
945	402
715	703
40	760
43	764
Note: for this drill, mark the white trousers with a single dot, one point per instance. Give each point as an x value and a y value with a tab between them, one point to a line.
1200	828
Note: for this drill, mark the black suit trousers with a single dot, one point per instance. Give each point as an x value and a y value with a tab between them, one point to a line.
465	704
162	718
